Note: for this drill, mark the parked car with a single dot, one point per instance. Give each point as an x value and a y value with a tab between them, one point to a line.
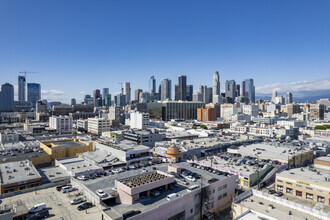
77	201
83	178
101	193
37	208
155	193
67	189
59	188
278	194
40	215
144	170
271	191
190	178
171	187
132	167
84	206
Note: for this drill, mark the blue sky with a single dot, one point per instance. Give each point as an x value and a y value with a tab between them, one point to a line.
78	45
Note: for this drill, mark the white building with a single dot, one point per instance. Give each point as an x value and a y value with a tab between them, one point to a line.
8	136
114	113
227	110
252	110
82	125
62	124
139	120
98	125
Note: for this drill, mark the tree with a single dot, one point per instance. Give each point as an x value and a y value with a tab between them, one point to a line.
203	127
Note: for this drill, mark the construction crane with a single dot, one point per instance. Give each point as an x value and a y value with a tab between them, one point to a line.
25	72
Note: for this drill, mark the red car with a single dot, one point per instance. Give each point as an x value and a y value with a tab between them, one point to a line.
58	188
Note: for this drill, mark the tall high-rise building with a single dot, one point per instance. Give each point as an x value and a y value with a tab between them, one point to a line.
96	95
127	91
7	98
181	88
105	91
216	97
152	85
120	100
231	89
243	89
166	90
73	101
250	90
89	100
137	94
274	95
238	90
288	98
21	88
189	92
33	93
107	100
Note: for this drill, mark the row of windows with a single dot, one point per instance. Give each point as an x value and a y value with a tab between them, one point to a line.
222	187
300	194
222	196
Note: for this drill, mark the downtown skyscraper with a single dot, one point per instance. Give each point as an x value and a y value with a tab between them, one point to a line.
21	88
33	93
250	90
216	96
127	91
166	89
181	88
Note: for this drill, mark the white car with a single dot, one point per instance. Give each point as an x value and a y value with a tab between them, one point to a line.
67	189
190	178
101	193
114	189
144	170
82	178
116	171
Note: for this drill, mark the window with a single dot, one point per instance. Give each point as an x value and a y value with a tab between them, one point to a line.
219	197
299	193
191	210
289	190
224	195
280	181
310	188
320	199
298	185
219	188
288	183
213	190
279	188
309	196
224	186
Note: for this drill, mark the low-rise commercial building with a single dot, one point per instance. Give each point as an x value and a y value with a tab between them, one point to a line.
306	184
65	148
254	204
294	156
18	175
144	137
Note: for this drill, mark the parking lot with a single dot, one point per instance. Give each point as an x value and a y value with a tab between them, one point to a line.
57	203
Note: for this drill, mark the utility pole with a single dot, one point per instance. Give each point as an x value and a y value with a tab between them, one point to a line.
201	202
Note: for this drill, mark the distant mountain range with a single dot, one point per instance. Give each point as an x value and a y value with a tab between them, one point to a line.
303	96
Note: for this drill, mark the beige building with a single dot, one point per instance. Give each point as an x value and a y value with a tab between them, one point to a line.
306	184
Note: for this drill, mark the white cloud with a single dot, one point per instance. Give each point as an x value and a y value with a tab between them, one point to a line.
299	88
52	92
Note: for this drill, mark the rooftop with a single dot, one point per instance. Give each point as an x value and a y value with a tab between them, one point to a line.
270	151
77	164
18	171
67	144
314	175
263	204
144	179
326	158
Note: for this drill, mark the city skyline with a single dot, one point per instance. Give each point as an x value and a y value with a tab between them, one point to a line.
290	43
